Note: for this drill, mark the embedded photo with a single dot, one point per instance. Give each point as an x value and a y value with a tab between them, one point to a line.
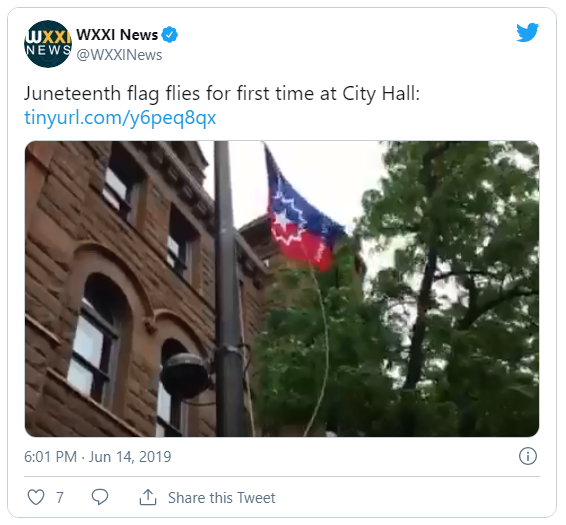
282	289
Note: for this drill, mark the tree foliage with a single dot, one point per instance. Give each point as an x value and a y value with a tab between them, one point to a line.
444	341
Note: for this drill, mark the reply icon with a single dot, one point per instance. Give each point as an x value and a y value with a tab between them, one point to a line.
100	496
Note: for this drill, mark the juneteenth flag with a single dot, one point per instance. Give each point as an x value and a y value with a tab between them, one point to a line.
302	232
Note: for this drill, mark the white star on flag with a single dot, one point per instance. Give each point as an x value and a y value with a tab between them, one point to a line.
282	219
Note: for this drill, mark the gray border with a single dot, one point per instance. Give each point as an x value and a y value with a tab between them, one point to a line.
293	517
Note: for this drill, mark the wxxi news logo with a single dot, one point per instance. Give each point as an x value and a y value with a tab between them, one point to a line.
48	43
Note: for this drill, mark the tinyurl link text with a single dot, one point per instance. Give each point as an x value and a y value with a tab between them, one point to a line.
129	119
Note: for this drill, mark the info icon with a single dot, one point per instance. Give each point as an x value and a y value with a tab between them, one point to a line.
47	44
528	456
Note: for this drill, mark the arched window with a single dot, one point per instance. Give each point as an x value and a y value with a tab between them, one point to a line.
95	347
172	414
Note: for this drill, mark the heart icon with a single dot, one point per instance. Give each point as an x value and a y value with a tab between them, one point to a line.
36	496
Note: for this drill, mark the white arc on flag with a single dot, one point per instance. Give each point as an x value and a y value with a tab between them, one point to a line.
288	238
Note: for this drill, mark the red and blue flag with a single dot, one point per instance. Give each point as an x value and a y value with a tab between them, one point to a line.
302	232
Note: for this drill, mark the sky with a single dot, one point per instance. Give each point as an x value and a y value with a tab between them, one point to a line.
331	175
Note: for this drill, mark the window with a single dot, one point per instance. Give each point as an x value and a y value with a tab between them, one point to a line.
96	339
122	176
180	243
171	412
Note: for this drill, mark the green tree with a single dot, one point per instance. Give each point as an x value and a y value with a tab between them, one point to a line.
445	340
327	310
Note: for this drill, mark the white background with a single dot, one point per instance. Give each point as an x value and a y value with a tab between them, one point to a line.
475	82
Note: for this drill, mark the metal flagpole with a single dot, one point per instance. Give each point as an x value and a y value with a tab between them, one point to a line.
228	358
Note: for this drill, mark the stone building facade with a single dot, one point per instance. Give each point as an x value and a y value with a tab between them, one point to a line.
120	276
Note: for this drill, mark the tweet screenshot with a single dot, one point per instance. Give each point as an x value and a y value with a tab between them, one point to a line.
255	229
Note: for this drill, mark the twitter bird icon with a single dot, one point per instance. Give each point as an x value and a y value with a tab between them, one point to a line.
527	34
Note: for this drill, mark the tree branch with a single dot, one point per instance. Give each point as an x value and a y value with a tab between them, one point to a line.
475	312
463	273
416	351
470	285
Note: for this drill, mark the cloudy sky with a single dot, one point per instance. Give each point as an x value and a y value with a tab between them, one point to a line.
330	175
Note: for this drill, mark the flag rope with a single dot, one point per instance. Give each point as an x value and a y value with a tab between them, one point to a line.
327	352
246	361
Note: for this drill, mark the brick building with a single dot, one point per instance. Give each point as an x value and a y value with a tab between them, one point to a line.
119	277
